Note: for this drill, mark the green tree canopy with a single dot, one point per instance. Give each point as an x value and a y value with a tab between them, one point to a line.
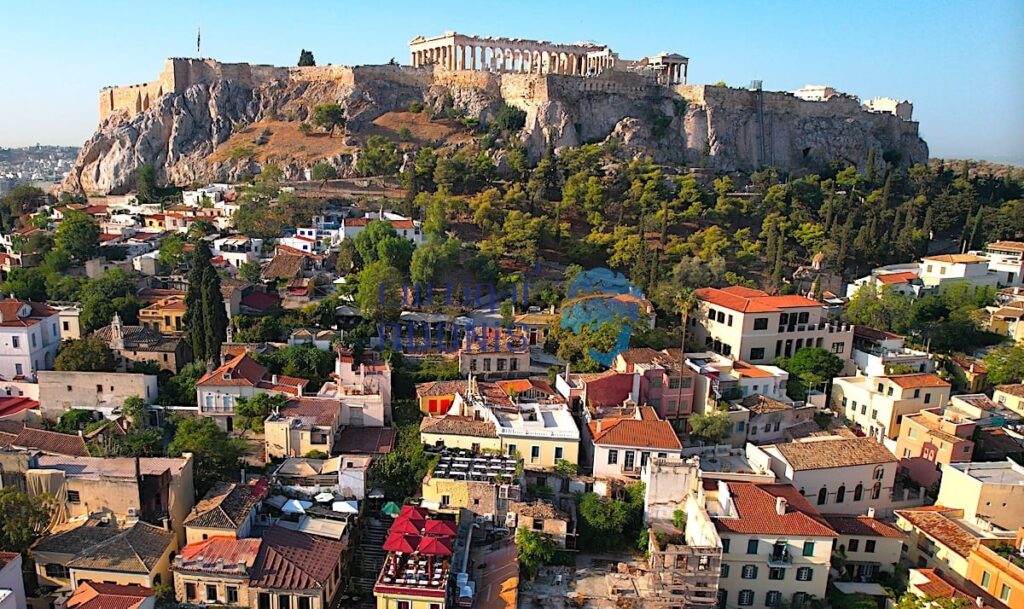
809	367
1005	365
78	236
216	455
253	411
306	59
88	354
329	116
535	549
712	426
380	292
25	517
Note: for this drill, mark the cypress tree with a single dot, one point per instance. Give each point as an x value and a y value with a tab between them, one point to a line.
976	230
195	320
214	315
777	270
870	177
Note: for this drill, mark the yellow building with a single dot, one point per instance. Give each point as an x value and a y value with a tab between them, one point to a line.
215	571
999	570
166	315
877	404
227	510
140	555
545	518
460	432
301	426
935	540
481	484
1011	396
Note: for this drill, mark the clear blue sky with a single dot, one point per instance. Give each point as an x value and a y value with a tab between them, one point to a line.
958	61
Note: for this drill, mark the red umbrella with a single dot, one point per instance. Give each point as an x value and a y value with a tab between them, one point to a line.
401	543
435	546
413	512
406	526
441	528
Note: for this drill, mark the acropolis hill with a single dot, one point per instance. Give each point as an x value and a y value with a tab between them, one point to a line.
190	121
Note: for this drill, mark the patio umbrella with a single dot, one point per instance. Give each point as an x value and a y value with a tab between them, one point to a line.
401	543
413	512
324	497
391	509
295	506
345	507
405	526
435	546
442	528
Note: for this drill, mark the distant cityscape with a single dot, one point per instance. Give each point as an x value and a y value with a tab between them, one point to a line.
37	165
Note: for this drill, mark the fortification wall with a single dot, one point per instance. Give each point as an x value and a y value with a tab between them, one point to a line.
467	79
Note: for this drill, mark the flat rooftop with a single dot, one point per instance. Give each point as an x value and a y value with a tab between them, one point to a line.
1006	472
477	468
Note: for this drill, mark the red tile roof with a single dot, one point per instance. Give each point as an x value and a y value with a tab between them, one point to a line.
750	371
647	432
756	512
917	380
204	555
861	526
240	370
938	523
748	300
937	585
72	445
10	405
323	411
260	301
290	560
95	595
894	278
7	557
11	307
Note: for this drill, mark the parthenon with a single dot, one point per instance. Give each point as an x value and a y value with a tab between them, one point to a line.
455	51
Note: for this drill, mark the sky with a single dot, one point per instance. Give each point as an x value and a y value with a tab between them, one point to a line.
959	62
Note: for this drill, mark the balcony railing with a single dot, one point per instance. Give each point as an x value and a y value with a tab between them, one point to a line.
780	558
818	327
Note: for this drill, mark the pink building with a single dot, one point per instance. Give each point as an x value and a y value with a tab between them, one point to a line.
931	438
665	383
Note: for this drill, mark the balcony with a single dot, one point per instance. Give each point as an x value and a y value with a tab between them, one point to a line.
780	557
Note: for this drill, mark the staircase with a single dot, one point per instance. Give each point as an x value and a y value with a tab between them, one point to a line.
369	559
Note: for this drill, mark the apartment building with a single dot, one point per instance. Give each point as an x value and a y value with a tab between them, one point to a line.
29	337
1011	396
139	555
241	376
998	569
993	492
227	510
215	571
237	250
165	315
775	545
941	538
620	446
876	352
771	419
932	438
866	546
758	328
1006	260
296	569
663	381
482	484
876	405
301	426
939	273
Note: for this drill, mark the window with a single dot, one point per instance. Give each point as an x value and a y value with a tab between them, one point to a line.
513	364
752	546
501	363
512	450
190	592
559	451
232	594
804	574
402	604
803	318
927	397
1004	593
760	323
284	601
67	327
304	602
854	545
773	598
869	546
33	341
776	573
746	598
808	548
656	382
613	457
874	413
264	600
435	605
73	497
822	496
753	430
876	490
211	592
538	524
757	353
725	545
18	369
838	347
725	570
534	454
985	577
58	570
446	499
472	364
879	473
841	494
864	409
799	598
15	342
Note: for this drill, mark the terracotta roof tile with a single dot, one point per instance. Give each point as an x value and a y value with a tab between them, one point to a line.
940	526
917	380
290	560
93	595
321	411
458	426
747	300
762	404
957	258
227	506
1016	389
647	432
135	550
894	278
71	445
861	526
938	585
218	553
824	454
757	513
1013	246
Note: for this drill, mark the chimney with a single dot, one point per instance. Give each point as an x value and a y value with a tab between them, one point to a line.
243	475
273	379
780	506
166	522
979	601
871	512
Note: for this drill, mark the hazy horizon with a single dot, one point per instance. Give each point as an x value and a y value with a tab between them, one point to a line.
956	61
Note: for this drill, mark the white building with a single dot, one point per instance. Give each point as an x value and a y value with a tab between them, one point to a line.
901	278
238	249
877	404
623	445
405	227
815	92
29	337
210	195
12	584
839	475
941	272
875	352
900	107
1006	260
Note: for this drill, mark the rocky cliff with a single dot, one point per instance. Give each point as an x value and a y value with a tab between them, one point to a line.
715	127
